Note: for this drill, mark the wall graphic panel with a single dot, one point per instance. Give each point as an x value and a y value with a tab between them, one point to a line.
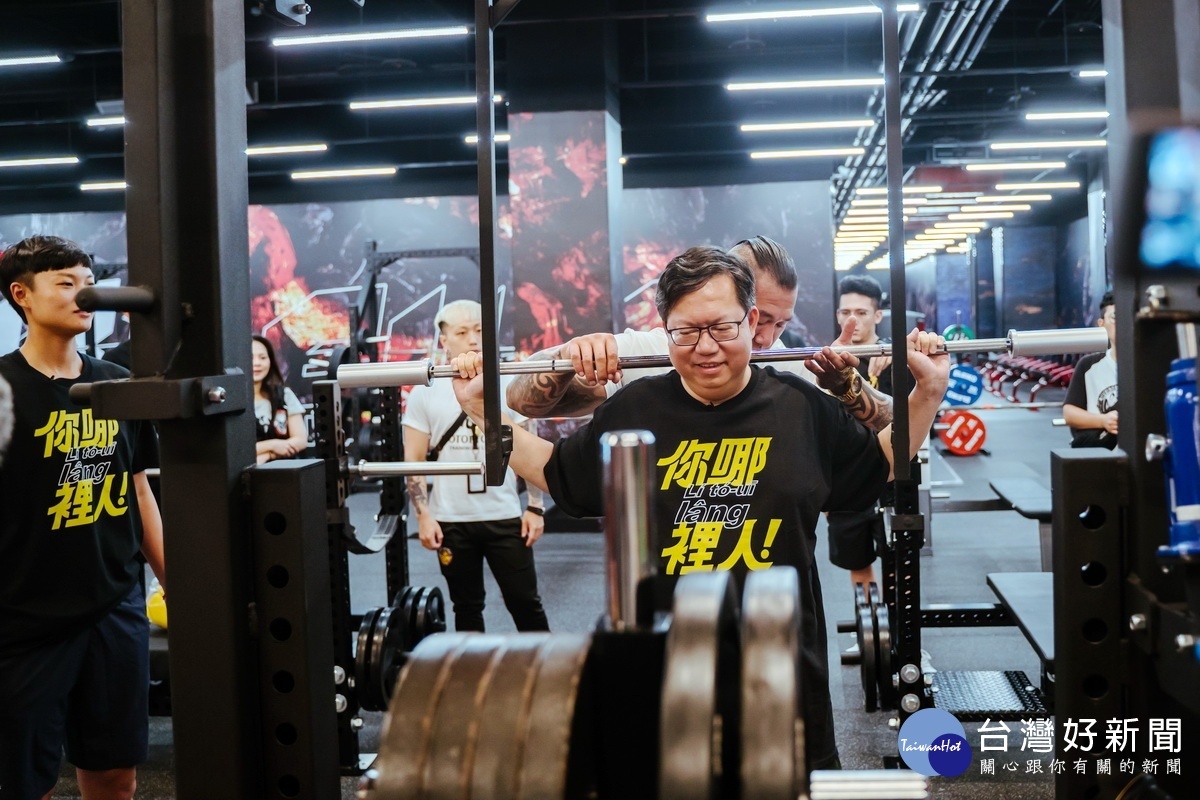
659	224
1029	265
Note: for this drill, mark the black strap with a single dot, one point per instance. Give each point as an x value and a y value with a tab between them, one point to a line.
433	454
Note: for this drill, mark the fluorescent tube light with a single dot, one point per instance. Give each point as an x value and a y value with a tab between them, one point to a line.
356	172
1014	198
999	207
814	153
992	166
905	190
1046	116
1053	144
1092	73
282	149
102	186
417	102
1034	187
29	61
815	125
376	36
802	13
983	215
883	201
837	83
39	162
499	138
105	122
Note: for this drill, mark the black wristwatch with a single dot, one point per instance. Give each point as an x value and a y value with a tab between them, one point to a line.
541	512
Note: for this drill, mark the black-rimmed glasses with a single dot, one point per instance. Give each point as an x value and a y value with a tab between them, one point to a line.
718	332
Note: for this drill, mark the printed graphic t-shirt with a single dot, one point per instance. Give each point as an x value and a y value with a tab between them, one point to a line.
738	487
273	423
1094	389
70	529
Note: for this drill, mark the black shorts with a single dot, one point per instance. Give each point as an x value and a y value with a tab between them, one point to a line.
87	693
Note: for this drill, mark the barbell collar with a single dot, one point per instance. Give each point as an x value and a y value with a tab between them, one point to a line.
390	374
1018	343
402	469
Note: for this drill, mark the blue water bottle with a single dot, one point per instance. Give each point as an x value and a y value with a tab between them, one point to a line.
1181	460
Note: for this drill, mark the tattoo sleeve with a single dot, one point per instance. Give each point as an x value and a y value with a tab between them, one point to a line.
417	493
872	408
552	394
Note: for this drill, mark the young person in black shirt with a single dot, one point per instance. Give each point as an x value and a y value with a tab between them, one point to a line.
77	509
748	457
854	535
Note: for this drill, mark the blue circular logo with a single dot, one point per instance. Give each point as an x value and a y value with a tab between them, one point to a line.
965	385
932	742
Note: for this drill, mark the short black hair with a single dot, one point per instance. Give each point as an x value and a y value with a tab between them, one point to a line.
864	285
690	270
35	254
769	257
1106	301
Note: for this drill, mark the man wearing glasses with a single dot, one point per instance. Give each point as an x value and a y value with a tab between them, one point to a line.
597	375
747	456
1090	408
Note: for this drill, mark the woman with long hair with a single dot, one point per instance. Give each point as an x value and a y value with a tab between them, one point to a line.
280	428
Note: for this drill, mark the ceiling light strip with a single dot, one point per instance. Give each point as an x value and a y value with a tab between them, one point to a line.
354	172
374	36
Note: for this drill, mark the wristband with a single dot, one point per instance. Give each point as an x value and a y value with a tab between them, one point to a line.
541	512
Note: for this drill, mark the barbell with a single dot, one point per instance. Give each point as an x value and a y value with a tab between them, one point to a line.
1017	343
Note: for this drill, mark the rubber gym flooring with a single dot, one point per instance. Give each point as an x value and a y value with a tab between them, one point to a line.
965	548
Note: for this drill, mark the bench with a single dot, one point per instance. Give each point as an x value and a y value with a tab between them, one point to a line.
1031	500
1028	597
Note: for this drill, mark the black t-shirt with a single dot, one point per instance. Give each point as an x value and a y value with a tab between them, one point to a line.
884	382
70	529
739	486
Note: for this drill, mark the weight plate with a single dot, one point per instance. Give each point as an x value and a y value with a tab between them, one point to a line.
701	656
551	739
362	658
455	723
498	751
386	643
405	738
772	746
866	650
884	660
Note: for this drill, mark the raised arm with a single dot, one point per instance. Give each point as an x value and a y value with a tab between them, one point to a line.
931	374
835	374
562	394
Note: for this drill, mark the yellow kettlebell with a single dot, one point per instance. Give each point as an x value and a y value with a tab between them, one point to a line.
156	605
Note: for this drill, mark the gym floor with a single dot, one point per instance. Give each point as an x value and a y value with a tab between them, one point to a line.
966	547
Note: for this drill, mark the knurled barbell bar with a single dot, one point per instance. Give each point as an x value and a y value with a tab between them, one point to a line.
1017	343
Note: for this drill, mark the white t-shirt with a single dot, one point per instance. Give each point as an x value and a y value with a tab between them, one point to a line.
262	412
432	410
1101	382
654	343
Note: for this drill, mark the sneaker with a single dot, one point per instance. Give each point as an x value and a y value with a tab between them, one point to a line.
926	663
852	650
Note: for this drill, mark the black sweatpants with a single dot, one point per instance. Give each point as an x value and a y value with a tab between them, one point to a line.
465	546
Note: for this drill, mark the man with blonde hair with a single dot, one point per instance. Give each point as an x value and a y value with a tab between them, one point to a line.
464	520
